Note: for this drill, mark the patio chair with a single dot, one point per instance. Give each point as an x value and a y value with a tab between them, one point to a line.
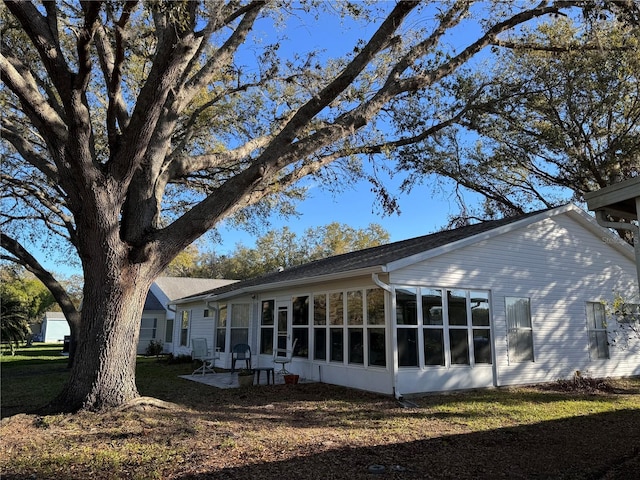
240	351
200	352
284	356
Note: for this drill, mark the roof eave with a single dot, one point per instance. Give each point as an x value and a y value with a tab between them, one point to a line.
284	284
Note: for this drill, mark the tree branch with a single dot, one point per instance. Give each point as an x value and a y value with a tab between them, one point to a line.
24	258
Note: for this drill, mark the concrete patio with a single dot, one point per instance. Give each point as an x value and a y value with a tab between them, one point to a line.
230	380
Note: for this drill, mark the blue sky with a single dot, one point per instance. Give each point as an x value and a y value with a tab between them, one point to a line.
421	212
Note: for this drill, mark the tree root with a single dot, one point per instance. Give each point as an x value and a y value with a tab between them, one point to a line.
142	403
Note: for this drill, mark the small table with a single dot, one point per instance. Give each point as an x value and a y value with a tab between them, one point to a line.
269	370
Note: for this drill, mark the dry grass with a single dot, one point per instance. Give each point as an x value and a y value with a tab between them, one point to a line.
315	431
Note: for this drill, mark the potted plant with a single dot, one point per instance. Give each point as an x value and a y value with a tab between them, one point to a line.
245	378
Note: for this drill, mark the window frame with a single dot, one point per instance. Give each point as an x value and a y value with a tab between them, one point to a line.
519	332
437	329
595	334
185	324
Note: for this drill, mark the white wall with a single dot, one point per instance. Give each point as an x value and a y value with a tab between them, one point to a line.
560	265
54	329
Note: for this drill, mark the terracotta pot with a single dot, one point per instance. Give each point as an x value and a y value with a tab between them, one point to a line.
291	379
245	380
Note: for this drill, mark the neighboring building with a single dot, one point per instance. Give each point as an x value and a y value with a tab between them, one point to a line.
54	327
512	301
158	320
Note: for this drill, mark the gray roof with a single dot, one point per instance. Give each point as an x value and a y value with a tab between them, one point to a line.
370	257
179	287
152	304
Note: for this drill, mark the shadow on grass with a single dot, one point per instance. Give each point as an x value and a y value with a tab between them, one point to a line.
599	446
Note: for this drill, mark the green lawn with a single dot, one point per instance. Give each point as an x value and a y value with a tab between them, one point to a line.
311	431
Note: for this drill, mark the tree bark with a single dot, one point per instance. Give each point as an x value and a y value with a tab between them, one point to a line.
103	371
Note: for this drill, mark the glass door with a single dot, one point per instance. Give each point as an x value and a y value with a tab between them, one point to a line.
283	326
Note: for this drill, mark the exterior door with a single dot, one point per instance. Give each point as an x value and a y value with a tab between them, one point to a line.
283	325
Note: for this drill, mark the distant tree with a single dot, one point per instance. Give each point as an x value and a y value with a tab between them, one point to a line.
14	326
184	263
25	293
559	121
337	238
283	248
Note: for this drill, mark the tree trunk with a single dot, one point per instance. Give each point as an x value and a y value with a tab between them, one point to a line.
103	371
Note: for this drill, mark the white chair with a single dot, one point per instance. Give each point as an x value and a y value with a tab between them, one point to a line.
199	351
284	356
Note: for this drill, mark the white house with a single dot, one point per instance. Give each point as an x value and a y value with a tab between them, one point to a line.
158	318
54	327
511	301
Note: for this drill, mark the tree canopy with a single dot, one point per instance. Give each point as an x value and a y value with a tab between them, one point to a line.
281	248
132	128
559	121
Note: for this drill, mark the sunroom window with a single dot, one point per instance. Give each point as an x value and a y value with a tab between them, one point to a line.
266	327
407	322
438	327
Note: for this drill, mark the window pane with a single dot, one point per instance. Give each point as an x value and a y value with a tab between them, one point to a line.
320	309
266	341
300	307
518	312
148	328
375	306
206	313
482	345
184	328
267	312
354	307
337	351
433	346
406	306
302	347
240	315
480	309
168	334
595	316
282	320
459	341
336	309
356	346
239	335
431	306
520	345
222	316
377	352
598	344
320	344
220	339
457	303
407	347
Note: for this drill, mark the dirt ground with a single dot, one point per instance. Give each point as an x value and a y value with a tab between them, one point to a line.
315	431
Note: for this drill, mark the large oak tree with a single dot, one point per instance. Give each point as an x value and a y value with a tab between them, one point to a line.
131	128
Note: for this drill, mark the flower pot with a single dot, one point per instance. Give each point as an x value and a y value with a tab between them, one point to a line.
245	380
291	379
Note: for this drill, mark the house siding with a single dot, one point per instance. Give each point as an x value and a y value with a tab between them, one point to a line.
559	265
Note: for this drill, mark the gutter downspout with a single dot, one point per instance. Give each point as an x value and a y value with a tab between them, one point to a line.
389	289
630	227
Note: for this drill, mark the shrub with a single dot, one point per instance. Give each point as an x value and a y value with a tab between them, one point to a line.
154	348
